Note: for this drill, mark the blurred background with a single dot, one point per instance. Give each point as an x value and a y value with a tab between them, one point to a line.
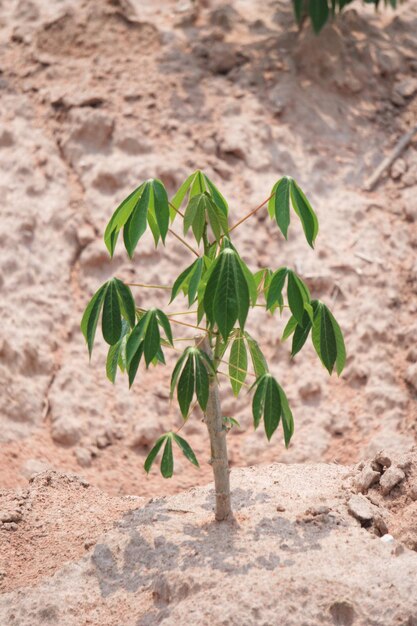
98	96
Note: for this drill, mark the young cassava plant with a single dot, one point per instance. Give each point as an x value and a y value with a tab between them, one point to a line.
220	290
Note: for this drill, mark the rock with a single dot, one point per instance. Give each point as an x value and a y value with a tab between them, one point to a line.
66	431
85	234
92	129
398	169
133	145
6	139
145	433
225	17
10	516
381	461
367	478
83	456
102	442
10	526
361	508
380	524
390	479
31	467
310	390
413	492
411	376
406	88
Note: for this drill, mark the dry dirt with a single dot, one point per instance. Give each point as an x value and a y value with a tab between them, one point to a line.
294	554
98	96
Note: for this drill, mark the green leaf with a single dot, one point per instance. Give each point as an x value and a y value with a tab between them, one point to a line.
181	281
185	387
304	210
201	381
161	207
186	449
289	328
195	216
218	199
259	363
280	203
153	225
120	217
136	337
250	280
297	296
154	453
217	219
177	370
272	406
91	315
111	320
287	417
136	224
229	422
133	364
301	333
126	301
178	199
207	360
340	344
238	363
113	354
298	9
164	321
319	13
258	401
274	295
152	341
195	279
226	296
167	462
324	338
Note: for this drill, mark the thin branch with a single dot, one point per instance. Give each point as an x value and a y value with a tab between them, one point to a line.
148	286
175	209
182	313
189	325
231	378
238	368
183	242
250	214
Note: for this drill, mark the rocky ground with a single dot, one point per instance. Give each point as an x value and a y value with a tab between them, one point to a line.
306	547
98	96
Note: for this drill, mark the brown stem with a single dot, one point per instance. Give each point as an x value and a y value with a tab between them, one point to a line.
250	214
183	242
219	460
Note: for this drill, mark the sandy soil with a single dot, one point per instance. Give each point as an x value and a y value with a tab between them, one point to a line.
299	551
98	96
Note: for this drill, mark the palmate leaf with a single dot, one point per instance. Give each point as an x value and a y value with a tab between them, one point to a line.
319	13
114	354
279	204
304	211
238	363
120	217
167	461
111	320
328	339
152	340
259	363
148	203
186	385
196	184
298	296
191	375
226	296
126	301
270	402
195	215
91	316
276	285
